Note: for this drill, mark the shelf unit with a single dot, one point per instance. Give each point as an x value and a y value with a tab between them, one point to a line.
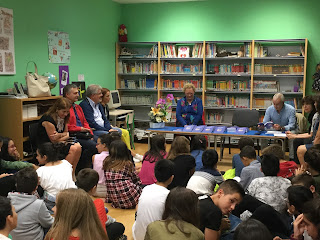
15	126
240	72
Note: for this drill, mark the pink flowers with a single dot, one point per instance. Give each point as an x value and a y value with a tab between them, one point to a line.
160	112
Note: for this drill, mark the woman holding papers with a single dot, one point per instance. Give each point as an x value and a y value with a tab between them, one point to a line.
189	108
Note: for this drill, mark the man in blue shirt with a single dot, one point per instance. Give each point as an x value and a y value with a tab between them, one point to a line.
284	118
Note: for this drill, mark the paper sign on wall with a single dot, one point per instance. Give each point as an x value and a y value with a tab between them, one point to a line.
59	47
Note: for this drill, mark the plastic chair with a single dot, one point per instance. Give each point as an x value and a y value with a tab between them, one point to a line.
242	118
130	127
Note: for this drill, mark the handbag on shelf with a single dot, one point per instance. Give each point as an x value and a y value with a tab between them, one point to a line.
37	85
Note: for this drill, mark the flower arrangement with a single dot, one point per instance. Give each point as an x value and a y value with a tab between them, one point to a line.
159	113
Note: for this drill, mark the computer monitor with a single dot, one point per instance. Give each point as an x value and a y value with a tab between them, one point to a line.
114	99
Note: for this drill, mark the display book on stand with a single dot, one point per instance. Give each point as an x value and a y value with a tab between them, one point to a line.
215	129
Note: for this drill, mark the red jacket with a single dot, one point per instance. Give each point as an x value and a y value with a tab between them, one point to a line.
72	125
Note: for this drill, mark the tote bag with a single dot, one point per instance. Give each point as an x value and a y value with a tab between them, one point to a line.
37	85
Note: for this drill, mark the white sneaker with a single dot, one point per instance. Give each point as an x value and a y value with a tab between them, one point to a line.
139	157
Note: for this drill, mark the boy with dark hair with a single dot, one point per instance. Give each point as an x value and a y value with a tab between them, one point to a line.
252	166
8	218
270	189
152	199
236	159
213	207
203	181
306	180
87	179
33	215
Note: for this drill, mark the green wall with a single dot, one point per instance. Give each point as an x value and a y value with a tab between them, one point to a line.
227	20
92	27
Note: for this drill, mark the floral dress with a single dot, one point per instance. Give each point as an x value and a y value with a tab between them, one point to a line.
189	114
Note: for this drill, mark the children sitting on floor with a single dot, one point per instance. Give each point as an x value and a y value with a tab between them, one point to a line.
184	163
204	180
33	215
270	189
75	218
157	151
180	218
212	208
197	146
122	182
87	179
8	218
236	160
152	199
252	166
55	175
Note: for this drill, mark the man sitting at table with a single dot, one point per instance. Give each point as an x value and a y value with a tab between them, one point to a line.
284	118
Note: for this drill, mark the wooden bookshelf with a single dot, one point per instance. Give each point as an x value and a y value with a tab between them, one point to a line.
246	61
14	125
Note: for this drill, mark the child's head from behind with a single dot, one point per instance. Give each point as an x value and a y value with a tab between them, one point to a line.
228	195
252	229
297	197
305	180
27	180
104	141
198	142
47	152
157	144
181	205
311	157
245	141
119	156
87	179
210	158
247	155
274	149
179	146
8	215
75	210
164	170
270	165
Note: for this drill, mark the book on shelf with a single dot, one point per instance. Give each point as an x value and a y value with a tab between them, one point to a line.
227	101
197	50
136	99
228	85
167	67
168	51
214	117
295	69
153	51
138	67
178	84
183	52
263	103
211	51
142	83
266	86
235	68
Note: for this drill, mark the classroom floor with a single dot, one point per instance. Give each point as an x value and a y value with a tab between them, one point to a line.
126	216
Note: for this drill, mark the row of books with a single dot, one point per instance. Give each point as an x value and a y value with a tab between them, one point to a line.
213	117
154	51
142	83
168	51
260	51
215	129
137	99
214	100
228	85
211	50
138	67
229	68
266	86
266	102
167	67
278	69
197	51
178	84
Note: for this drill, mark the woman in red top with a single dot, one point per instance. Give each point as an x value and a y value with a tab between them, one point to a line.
76	218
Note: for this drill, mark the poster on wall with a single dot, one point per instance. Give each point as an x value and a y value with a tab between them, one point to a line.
7	61
63	78
59	47
82	90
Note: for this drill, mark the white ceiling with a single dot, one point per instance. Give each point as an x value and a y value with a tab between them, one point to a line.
152	1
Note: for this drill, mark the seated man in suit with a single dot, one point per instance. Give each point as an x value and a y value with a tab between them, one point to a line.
284	118
78	124
94	113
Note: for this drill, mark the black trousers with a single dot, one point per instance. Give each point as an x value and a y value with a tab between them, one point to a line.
88	150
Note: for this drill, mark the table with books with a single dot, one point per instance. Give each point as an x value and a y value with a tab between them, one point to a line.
219	131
